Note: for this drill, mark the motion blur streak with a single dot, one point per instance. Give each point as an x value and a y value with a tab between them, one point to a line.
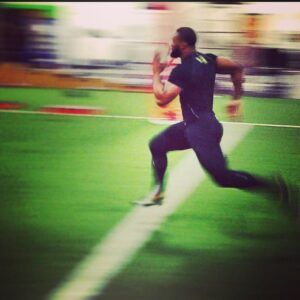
115	42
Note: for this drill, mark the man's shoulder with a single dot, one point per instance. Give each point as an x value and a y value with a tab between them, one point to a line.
211	56
178	68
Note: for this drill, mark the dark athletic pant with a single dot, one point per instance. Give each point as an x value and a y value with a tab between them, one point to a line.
204	137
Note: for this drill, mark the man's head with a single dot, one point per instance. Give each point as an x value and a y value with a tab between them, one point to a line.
183	41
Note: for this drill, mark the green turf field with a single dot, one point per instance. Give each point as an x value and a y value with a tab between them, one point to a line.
66	181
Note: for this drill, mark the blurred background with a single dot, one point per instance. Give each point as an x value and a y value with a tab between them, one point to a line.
115	41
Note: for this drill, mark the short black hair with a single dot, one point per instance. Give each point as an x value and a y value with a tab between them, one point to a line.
188	35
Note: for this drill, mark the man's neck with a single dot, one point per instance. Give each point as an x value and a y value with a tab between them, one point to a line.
187	53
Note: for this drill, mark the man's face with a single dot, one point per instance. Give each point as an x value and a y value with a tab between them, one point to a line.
176	47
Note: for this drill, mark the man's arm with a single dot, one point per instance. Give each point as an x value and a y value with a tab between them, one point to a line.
164	93
226	66
235	70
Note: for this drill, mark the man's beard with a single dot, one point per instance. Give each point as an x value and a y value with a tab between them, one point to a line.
176	52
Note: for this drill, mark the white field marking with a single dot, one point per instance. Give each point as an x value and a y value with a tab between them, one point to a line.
138	118
94	272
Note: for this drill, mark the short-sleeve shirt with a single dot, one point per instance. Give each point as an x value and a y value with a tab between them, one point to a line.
196	77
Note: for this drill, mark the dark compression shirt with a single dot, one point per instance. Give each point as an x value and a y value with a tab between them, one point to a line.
196	77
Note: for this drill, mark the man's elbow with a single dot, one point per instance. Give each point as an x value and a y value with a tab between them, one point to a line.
161	104
161	100
237	74
239	68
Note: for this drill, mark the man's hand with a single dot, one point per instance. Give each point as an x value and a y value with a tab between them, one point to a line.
235	109
164	93
157	66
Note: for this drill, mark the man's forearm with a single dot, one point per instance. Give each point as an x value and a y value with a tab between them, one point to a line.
237	80
158	86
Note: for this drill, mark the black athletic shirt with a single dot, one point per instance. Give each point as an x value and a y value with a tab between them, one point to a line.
196	77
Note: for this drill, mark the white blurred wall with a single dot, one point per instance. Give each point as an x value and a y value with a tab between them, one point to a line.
127	31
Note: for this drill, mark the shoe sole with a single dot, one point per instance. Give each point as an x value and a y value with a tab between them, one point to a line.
149	203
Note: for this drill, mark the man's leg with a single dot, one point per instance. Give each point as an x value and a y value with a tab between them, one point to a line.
213	161
205	140
209	153
171	139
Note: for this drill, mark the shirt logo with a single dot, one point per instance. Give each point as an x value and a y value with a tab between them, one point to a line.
201	59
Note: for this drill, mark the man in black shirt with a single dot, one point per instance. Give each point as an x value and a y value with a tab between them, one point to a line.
194	81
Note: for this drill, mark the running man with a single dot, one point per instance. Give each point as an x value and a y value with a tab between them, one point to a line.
194	81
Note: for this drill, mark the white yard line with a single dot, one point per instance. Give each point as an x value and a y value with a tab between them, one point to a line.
91	275
162	120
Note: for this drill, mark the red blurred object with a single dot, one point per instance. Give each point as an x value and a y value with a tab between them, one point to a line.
171	115
158	6
80	110
10	105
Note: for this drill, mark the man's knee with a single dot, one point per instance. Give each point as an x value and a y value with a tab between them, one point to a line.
156	146
221	179
222	182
